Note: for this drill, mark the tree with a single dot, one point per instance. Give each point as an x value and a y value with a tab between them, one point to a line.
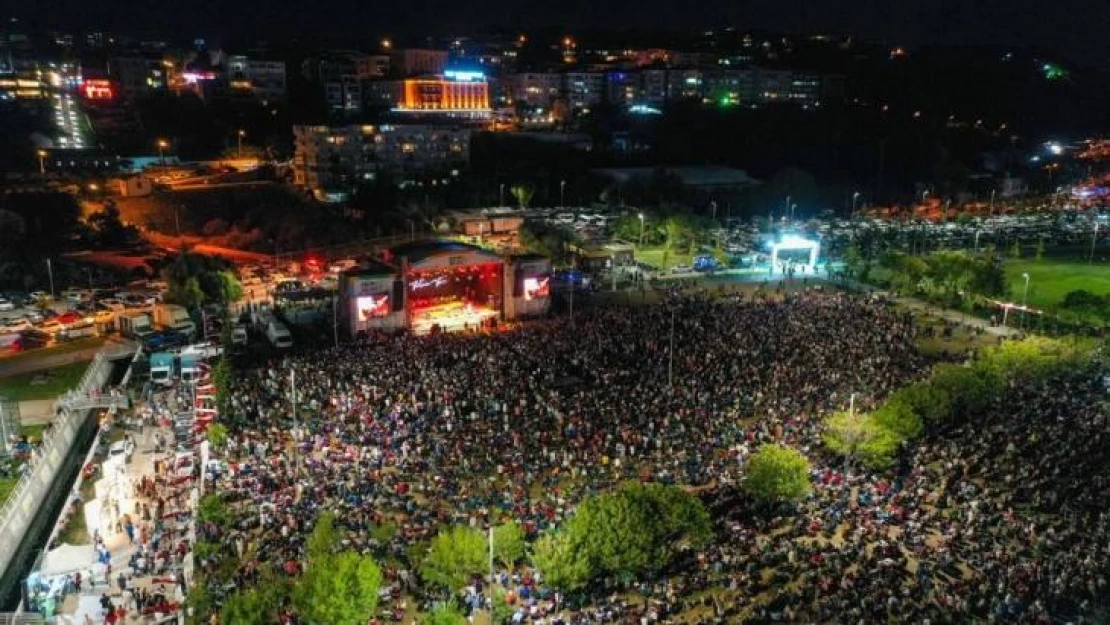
257	606
523	194
899	417
561	562
340	588
445	614
931	401
969	389
508	543
456	555
230	290
187	293
777	473
547	240
859	435
217	435
105	229
222	378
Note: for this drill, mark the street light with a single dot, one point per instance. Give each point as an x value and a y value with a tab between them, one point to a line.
924	195
855	198
42	162
1094	239
501	195
977	233
242	133
562	193
792	207
1024	297
162	145
641	216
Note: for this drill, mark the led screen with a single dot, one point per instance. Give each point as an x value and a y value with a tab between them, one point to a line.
372	306
536	288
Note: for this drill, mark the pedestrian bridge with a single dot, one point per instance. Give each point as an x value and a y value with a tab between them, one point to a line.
94	401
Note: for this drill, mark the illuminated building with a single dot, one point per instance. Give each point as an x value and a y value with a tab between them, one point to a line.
429	286
585	89
536	88
456	92
138	75
263	79
342	157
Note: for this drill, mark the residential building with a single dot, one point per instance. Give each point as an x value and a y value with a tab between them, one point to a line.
622	88
417	61
343	74
539	89
584	89
341	157
264	79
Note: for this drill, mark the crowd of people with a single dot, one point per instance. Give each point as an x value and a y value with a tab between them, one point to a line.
403	435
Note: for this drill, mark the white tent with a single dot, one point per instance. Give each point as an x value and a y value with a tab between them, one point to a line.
67	559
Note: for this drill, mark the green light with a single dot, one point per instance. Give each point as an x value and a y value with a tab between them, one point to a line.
1054	72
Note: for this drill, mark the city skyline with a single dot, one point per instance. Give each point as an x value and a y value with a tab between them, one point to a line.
1073	30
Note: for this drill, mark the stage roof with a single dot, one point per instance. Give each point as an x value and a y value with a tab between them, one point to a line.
423	250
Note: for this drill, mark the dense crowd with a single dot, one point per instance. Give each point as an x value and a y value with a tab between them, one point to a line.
402	435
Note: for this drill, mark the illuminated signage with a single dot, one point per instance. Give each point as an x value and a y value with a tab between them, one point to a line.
195	77
459	75
98	89
423	283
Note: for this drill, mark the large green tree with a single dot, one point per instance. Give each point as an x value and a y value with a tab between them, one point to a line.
337	587
777	474
508	543
859	436
456	554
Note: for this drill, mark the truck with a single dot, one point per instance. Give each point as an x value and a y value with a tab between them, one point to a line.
279	335
190	368
161	368
134	324
174	317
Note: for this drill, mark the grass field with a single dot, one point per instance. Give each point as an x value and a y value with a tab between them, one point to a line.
55	381
654	256
1051	279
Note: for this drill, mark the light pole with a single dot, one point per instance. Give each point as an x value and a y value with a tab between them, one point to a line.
242	133
787	205
50	272
162	145
42	162
855	198
1024	297
924	195
670	360
641	215
1094	239
501	195
792	207
293	402
977	233
412	230
562	193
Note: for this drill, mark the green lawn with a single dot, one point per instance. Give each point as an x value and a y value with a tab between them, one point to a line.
52	382
1050	280
654	256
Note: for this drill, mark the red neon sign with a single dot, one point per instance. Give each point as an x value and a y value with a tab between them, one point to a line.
98	89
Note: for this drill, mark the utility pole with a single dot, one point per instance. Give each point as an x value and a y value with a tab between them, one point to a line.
293	401
50	272
1094	239
491	558
854	434
335	319
572	265
241	133
670	360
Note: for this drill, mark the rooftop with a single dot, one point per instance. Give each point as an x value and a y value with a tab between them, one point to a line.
421	250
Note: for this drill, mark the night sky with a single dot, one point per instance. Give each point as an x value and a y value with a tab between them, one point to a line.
1078	30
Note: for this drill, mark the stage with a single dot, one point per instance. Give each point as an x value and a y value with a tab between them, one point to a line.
451	317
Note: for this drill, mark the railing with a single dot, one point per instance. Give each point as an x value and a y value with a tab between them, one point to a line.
56	443
21	618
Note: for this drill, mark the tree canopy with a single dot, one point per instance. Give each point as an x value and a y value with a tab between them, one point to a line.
455	555
777	473
338	588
